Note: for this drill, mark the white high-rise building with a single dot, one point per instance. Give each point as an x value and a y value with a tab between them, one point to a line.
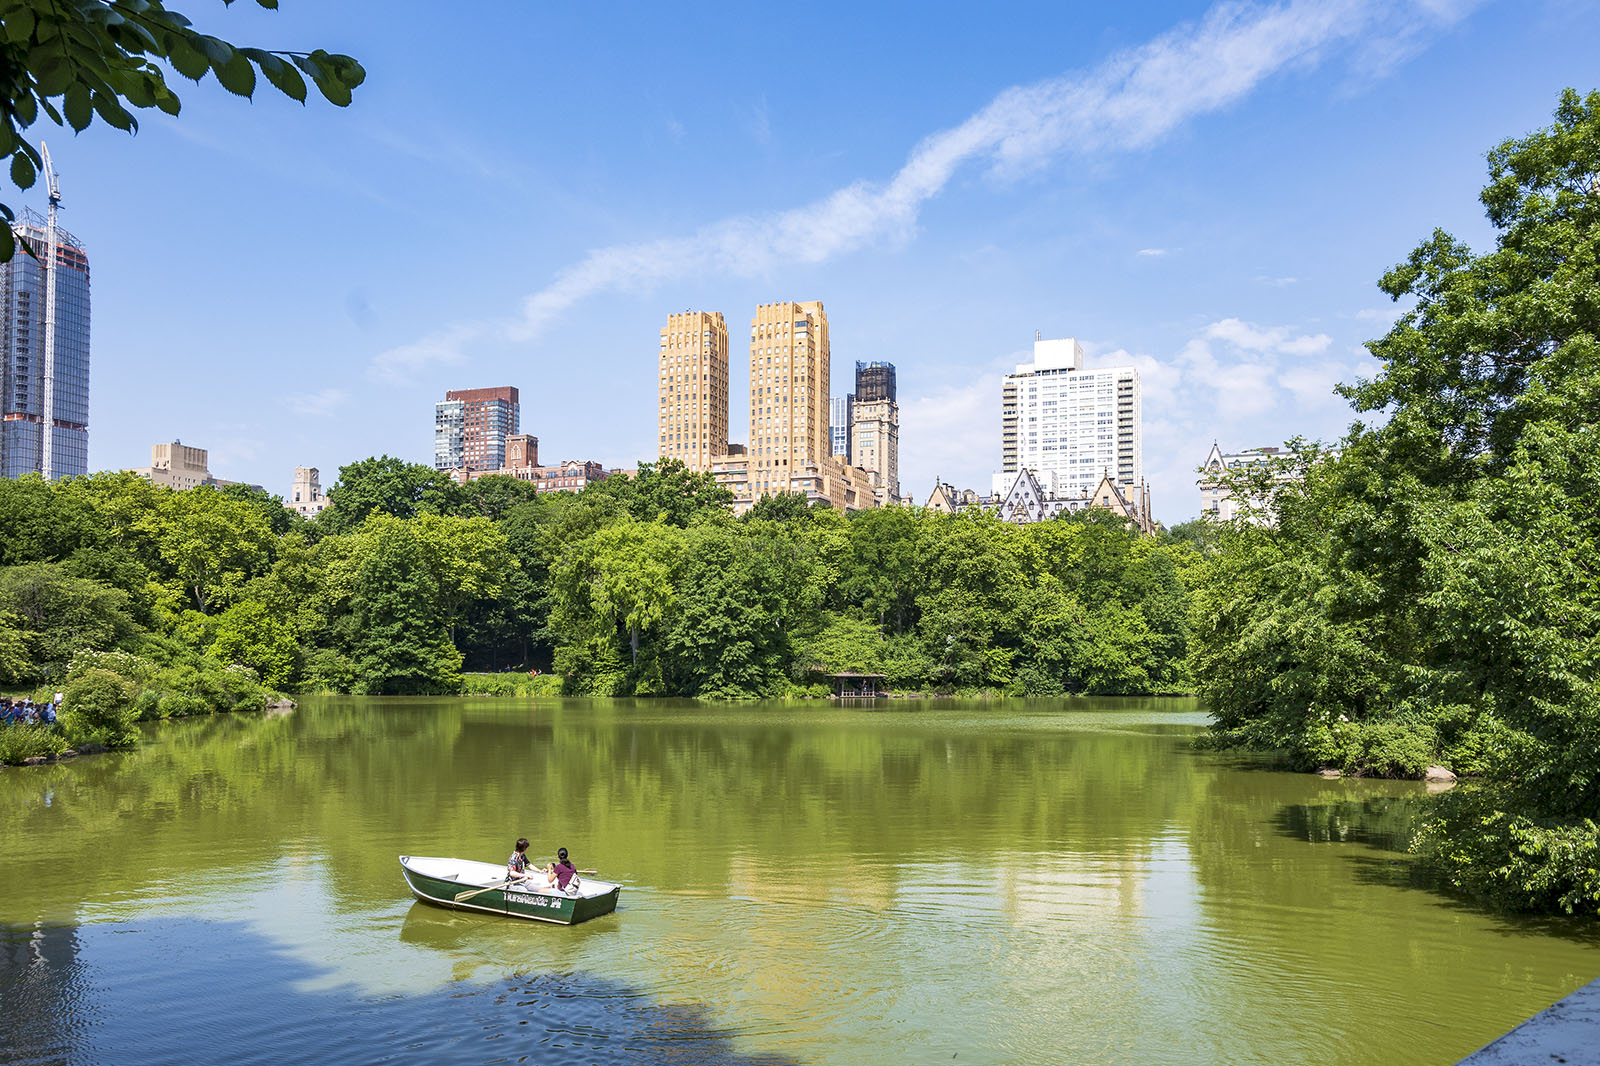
1071	426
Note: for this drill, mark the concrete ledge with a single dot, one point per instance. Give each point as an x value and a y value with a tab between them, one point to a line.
1567	1032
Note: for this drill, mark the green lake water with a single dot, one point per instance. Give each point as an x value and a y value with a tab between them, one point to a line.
1052	881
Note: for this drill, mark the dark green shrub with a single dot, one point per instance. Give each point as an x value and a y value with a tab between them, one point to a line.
99	709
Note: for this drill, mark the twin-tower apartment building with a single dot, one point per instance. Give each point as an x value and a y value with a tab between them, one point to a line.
790	447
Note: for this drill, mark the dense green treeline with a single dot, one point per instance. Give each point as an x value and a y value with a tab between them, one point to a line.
639	585
1431	592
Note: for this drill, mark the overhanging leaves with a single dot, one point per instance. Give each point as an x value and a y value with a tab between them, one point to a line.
75	59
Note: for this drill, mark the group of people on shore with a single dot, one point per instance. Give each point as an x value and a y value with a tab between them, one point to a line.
26	711
557	875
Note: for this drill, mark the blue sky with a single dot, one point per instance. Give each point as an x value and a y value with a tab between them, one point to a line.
522	192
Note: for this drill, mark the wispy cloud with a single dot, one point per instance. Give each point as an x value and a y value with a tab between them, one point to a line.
1254	338
760	124
1383	316
397	366
1129	102
1153	251
319	403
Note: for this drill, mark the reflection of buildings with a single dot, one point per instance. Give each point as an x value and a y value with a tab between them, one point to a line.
1033	890
42	982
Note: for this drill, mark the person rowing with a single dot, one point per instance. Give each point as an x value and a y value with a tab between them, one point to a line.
517	868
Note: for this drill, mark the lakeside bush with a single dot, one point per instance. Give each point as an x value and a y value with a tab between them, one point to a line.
30	740
512	683
99	709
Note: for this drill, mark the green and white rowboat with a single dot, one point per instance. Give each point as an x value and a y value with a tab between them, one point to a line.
456	883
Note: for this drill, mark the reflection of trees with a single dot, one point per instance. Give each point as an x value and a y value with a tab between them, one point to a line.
1299	875
659	791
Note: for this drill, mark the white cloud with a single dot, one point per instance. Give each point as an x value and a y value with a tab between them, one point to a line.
1310	345
1383	316
1244	335
1128	102
1314	384
1253	338
401	364
945	430
317	403
1153	251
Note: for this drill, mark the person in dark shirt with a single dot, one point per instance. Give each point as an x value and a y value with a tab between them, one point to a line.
562	871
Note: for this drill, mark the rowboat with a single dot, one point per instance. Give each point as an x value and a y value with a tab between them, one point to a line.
462	884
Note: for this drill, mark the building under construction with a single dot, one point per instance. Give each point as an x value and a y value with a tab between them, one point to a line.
44	362
874	381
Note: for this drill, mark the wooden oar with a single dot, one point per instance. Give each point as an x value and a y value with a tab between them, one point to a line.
479	891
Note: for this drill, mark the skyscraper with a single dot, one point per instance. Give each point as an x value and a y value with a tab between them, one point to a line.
875	429
692	420
30	405
789	355
470	427
840	410
1070	424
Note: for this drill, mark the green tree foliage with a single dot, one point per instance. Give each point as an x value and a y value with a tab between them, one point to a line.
667	491
209	543
780	507
247	634
386	486
70	60
636	585
1431	593
59	615
15	665
99	710
493	496
406	584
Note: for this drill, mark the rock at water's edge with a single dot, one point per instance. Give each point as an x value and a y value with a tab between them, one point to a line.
1438	773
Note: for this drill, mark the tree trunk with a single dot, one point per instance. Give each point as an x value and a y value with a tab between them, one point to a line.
633	639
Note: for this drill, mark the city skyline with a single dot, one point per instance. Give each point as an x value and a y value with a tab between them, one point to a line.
1221	229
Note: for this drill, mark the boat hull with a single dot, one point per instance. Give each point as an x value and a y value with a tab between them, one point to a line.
430	884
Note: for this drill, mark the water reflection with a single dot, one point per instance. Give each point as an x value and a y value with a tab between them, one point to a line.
202	992
1054	881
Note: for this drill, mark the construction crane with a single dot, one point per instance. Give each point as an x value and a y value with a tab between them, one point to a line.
47	432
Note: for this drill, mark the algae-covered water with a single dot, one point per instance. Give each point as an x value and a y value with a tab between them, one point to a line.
1055	881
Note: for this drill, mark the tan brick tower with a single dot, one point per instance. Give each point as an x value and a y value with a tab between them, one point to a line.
789	356
693	373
